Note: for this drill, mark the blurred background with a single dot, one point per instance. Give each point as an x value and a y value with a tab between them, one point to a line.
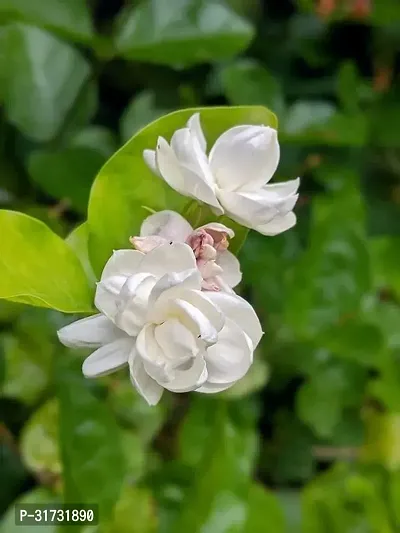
309	440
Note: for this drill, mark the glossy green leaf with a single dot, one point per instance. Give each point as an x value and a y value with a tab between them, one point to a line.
38	268
382	439
385	253
217	500
78	240
322	399
247	82
132	411
140	111
195	31
134	513
70	18
40	88
265	514
40	441
91	446
333	274
38	496
125	186
28	366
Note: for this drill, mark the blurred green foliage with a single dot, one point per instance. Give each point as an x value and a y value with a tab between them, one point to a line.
309	441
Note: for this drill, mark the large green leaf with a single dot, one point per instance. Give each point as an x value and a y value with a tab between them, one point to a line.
194	31
218	499
78	240
38	496
91	445
40	442
69	18
333	274
38	268
125	186
265	514
40	87
28	366
247	82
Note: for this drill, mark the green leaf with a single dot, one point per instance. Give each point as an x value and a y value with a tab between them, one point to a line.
40	87
78	240
71	19
394	495
40	442
39	496
38	268
332	276
141	110
331	388
348	87
13	473
28	362
265	514
124	185
247	82
134	513
385	253
217	500
67	173
382	443
91	448
132	411
195	31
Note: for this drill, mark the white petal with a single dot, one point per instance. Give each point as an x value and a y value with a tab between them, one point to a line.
188	279
230	358
162	308
245	157
89	332
195	321
255	209
282	189
189	379
107	295
108	358
188	181
133	302
168	224
231	273
278	224
195	128
216	226
122	263
149	157
152	356
212	388
146	386
190	155
168	258
177	342
241	312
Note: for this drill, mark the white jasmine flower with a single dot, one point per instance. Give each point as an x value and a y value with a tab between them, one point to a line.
154	318
233	178
219	268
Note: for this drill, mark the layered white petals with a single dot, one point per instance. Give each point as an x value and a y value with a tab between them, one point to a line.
196	130
108	358
146	386
168	224
239	311
234	178
188	178
278	224
90	332
155	317
244	157
231	273
230	358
